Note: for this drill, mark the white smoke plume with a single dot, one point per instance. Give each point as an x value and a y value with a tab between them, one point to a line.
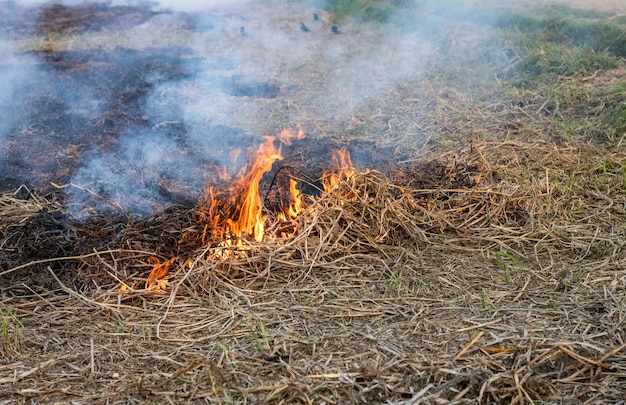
227	73
251	69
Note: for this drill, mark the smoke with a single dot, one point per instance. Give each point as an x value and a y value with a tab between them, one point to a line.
197	5
12	72
150	124
131	177
186	5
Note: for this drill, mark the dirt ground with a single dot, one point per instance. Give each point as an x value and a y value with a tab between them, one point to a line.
473	257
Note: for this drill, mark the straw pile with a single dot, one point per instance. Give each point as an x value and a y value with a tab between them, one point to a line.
459	279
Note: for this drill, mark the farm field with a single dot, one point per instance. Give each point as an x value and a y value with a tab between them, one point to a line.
403	202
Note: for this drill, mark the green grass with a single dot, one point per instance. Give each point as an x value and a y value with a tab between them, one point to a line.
564	41
487	302
526	50
501	259
540	59
545	18
10	330
368	10
587	112
553	62
259	336
396	286
612	109
554	53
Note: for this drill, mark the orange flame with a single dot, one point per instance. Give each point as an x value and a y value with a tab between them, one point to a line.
344	169
297	205
301	134
286	136
157	279
248	218
226	221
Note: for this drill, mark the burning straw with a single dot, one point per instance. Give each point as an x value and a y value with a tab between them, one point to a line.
358	260
463	202
362	213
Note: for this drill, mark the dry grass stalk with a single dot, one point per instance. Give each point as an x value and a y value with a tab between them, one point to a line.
17	210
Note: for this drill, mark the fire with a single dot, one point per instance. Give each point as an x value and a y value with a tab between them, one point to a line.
297	206
242	214
229	220
344	169
239	213
228	217
286	135
248	218
157	279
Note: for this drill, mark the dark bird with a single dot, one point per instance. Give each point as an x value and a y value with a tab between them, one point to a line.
304	28
335	30
242	31
316	17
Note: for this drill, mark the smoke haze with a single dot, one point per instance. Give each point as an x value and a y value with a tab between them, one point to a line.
151	110
138	105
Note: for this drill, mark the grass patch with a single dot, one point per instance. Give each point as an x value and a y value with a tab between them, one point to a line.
400	11
562	41
612	109
365	10
10	333
545	18
547	60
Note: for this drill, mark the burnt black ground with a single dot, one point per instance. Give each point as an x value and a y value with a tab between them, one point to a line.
79	102
71	106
